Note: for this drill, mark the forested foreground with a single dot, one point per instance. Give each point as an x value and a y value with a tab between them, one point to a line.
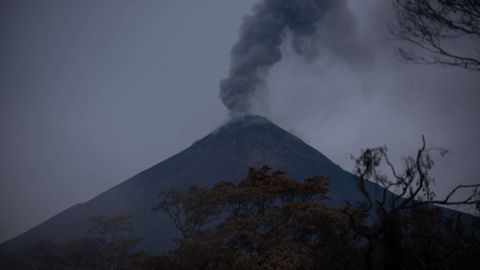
272	221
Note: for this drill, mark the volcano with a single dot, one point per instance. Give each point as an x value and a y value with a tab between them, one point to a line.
224	154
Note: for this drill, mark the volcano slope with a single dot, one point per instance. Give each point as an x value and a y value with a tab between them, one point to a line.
226	153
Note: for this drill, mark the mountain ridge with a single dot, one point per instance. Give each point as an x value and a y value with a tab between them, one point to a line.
225	153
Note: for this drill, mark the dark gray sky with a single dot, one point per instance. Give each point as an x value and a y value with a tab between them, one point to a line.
92	92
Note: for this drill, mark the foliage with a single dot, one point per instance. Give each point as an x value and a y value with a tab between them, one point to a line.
104	249
266	221
271	221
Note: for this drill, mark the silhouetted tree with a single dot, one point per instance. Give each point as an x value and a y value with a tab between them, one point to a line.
266	221
271	221
189	210
105	249
432	25
111	233
409	229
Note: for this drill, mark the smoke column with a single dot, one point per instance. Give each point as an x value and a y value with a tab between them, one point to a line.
258	47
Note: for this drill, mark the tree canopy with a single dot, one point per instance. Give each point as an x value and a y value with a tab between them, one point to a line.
269	220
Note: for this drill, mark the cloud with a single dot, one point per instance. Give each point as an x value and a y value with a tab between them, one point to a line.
358	94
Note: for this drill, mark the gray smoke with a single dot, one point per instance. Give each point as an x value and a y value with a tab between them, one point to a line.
259	45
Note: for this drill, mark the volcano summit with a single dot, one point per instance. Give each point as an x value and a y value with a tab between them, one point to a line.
226	153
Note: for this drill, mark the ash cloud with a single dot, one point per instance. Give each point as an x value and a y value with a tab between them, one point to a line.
259	46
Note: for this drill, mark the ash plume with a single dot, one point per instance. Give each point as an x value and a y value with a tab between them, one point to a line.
259	45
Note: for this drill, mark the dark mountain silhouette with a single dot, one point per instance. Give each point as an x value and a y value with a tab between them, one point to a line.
226	153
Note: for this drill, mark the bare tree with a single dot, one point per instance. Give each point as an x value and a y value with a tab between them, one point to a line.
432	26
403	208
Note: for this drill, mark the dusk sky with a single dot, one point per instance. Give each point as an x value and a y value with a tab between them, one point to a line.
93	92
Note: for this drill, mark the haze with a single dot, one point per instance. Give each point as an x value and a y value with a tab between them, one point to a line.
93	92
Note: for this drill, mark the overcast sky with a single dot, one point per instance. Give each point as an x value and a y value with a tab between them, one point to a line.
93	92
